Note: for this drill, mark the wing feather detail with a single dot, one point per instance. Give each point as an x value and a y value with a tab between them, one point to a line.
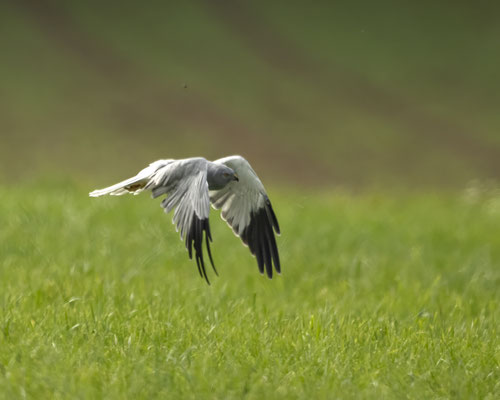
188	195
184	182
246	208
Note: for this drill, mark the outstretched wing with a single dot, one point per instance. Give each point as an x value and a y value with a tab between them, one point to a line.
185	184
247	210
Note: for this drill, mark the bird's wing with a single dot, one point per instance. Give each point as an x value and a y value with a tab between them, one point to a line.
185	184
247	210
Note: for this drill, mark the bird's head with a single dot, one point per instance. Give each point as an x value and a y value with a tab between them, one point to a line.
222	176
229	175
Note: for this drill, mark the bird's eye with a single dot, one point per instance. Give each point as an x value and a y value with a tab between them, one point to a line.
226	174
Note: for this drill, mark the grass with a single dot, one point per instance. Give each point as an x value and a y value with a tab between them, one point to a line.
392	296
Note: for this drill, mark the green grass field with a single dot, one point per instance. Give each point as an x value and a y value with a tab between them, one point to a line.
364	119
381	296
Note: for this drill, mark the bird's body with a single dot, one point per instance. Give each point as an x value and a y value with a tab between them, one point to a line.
192	184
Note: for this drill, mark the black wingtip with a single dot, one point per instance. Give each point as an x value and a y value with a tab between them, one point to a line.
272	216
208	239
203	268
259	236
194	238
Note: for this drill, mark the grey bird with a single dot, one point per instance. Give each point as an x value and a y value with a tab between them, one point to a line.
229	184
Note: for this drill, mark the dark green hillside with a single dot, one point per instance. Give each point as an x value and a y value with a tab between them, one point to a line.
358	93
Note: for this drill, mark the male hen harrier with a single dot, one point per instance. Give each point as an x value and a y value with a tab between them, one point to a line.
229	184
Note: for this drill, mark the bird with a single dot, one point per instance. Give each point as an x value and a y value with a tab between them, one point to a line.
229	184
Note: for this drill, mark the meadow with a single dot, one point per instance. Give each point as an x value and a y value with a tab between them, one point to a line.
364	119
383	295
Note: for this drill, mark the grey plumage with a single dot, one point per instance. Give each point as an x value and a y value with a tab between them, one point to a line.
191	184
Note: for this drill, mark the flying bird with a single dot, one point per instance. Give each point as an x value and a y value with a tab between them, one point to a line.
191	185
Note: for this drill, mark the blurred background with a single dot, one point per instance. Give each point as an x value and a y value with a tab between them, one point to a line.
321	93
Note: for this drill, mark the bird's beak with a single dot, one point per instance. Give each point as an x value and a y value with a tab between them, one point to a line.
236	178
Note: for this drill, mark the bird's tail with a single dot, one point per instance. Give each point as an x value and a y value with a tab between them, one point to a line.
133	185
